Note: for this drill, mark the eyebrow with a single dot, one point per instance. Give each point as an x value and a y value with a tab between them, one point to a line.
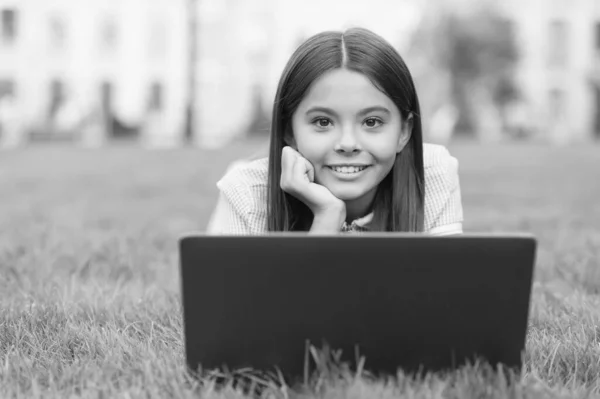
361	112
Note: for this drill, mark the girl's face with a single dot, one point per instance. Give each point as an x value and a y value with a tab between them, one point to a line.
350	132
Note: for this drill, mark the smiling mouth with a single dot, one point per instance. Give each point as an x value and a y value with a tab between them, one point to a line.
348	169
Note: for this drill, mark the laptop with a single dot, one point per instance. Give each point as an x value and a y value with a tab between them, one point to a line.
403	301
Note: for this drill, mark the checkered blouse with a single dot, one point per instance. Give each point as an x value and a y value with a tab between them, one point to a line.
242	205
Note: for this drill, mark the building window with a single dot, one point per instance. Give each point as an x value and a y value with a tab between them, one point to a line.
58	32
597	111
109	33
9	26
57	97
557	104
106	97
156	97
158	40
557	44
106	107
597	34
7	88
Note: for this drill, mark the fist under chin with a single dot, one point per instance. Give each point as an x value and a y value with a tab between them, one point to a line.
346	191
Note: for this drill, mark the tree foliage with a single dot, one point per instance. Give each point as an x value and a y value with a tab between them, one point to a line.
478	48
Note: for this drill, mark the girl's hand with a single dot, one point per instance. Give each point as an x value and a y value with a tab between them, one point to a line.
297	179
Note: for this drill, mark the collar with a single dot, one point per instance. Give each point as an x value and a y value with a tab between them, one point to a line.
358	224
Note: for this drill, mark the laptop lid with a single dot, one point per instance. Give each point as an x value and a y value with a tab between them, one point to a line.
409	301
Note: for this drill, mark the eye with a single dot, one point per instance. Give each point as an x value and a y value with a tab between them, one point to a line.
321	122
373	122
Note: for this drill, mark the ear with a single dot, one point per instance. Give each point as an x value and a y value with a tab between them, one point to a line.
405	132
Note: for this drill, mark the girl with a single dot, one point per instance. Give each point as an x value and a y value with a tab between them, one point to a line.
346	151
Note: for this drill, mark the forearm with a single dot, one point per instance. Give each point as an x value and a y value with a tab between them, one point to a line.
329	222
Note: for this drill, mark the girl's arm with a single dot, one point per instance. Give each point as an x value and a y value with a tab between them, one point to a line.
238	210
225	219
446	195
450	229
328	222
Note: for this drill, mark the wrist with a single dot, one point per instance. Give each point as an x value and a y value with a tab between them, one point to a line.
329	220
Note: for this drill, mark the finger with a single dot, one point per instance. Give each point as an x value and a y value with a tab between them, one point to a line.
299	170
287	163
310	170
291	150
288	160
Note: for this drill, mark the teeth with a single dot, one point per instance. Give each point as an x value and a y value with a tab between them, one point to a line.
348	169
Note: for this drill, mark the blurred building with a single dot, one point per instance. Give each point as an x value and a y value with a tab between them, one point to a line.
558	73
96	68
99	70
236	48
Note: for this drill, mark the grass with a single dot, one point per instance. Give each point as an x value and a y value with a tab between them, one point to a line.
89	279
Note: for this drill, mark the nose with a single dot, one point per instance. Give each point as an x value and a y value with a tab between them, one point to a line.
348	141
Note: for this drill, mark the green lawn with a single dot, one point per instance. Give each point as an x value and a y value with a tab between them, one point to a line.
89	279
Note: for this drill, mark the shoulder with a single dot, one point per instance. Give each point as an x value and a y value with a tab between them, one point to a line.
441	170
246	173
442	187
244	185
436	157
439	164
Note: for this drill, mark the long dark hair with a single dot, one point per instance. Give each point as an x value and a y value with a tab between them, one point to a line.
399	200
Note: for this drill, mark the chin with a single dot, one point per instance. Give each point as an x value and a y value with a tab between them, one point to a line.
347	194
